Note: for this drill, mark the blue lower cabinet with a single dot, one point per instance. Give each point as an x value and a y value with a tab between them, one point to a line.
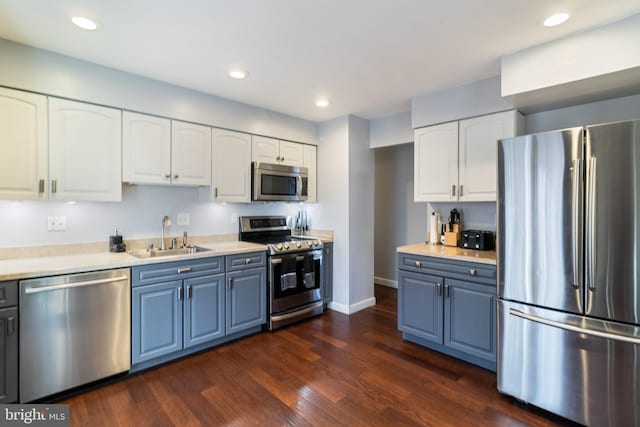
203	309
156	320
470	319
449	306
246	301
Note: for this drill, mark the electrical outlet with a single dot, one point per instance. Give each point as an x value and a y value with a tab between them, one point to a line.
51	223
61	223
234	217
183	218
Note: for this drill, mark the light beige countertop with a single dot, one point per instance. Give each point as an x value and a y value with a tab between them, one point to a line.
21	268
450	252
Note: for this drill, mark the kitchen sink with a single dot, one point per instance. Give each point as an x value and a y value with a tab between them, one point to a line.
153	253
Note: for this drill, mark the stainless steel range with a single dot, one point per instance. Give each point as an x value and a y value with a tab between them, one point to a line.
295	268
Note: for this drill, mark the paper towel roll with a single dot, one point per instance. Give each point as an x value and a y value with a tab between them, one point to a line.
433	229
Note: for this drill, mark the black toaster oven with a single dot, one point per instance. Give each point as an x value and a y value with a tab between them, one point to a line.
478	239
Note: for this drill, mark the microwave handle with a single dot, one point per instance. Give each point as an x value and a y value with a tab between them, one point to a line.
299	186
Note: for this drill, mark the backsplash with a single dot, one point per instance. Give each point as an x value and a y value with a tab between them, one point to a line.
475	215
138	216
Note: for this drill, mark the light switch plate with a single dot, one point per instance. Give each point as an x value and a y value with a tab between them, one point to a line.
183	218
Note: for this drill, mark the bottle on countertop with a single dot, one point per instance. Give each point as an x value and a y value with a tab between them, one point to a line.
433	229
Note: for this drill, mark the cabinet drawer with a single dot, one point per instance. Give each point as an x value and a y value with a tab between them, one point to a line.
154	273
463	270
8	294
244	261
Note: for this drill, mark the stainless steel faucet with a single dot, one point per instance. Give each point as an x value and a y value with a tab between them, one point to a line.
165	222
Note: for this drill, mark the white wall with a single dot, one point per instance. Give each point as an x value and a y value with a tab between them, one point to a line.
333	191
361	212
391	130
474	99
138	216
50	73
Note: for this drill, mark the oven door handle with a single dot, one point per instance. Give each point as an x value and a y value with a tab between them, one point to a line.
276	260
296	313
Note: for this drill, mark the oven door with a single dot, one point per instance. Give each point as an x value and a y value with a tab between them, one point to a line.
278	182
294	280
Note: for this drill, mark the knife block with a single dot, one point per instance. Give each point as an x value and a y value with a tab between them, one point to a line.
451	238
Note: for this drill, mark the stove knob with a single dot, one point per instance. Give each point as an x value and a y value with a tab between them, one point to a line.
278	247
309	243
286	246
298	245
316	243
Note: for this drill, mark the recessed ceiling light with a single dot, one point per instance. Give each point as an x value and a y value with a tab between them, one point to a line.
238	74
556	19
84	23
322	103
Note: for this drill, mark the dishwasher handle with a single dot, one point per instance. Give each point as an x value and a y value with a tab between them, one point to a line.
49	288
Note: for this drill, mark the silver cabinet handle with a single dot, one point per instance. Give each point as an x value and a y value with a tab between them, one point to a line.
446	291
167	175
282	159
189	292
453	190
565	326
175	176
439	286
54	185
460	190
230	282
180	293
418	264
215	192
247	261
41	186
47	288
11	325
184	270
591	225
473	272
576	191
278	159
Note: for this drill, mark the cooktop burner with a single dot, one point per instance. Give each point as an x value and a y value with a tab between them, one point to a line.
273	232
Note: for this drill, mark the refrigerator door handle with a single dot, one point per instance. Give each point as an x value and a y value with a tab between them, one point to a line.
572	328
575	229
591	224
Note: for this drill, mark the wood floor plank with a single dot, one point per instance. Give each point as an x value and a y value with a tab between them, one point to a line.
332	370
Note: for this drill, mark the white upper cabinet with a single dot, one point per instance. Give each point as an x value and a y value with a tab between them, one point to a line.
291	153
457	161
310	164
190	154
23	145
230	168
146	149
478	154
85	161
271	150
436	163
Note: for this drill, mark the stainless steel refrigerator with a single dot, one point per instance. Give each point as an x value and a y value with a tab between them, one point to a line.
569	271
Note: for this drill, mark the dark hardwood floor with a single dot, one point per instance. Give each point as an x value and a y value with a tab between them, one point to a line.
332	370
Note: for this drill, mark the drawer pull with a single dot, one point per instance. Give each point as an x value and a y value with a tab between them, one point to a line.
247	261
418	264
473	272
11	325
184	270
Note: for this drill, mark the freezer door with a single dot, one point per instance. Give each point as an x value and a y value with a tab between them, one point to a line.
612	229
584	369
540	209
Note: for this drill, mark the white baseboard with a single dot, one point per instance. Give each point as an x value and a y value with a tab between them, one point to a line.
353	308
385	282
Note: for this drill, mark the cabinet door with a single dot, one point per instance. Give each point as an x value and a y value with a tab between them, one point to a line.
420	305
291	153
327	273
436	163
190	154
85	161
246	297
203	309
310	164
9	355
156	320
470	318
478	154
231	167
146	149
23	145
265	149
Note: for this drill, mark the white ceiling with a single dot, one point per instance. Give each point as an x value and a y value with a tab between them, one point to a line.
369	57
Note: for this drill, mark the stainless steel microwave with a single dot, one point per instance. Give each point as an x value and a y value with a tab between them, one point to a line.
271	182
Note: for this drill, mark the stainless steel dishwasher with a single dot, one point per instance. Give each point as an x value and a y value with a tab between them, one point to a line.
74	329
